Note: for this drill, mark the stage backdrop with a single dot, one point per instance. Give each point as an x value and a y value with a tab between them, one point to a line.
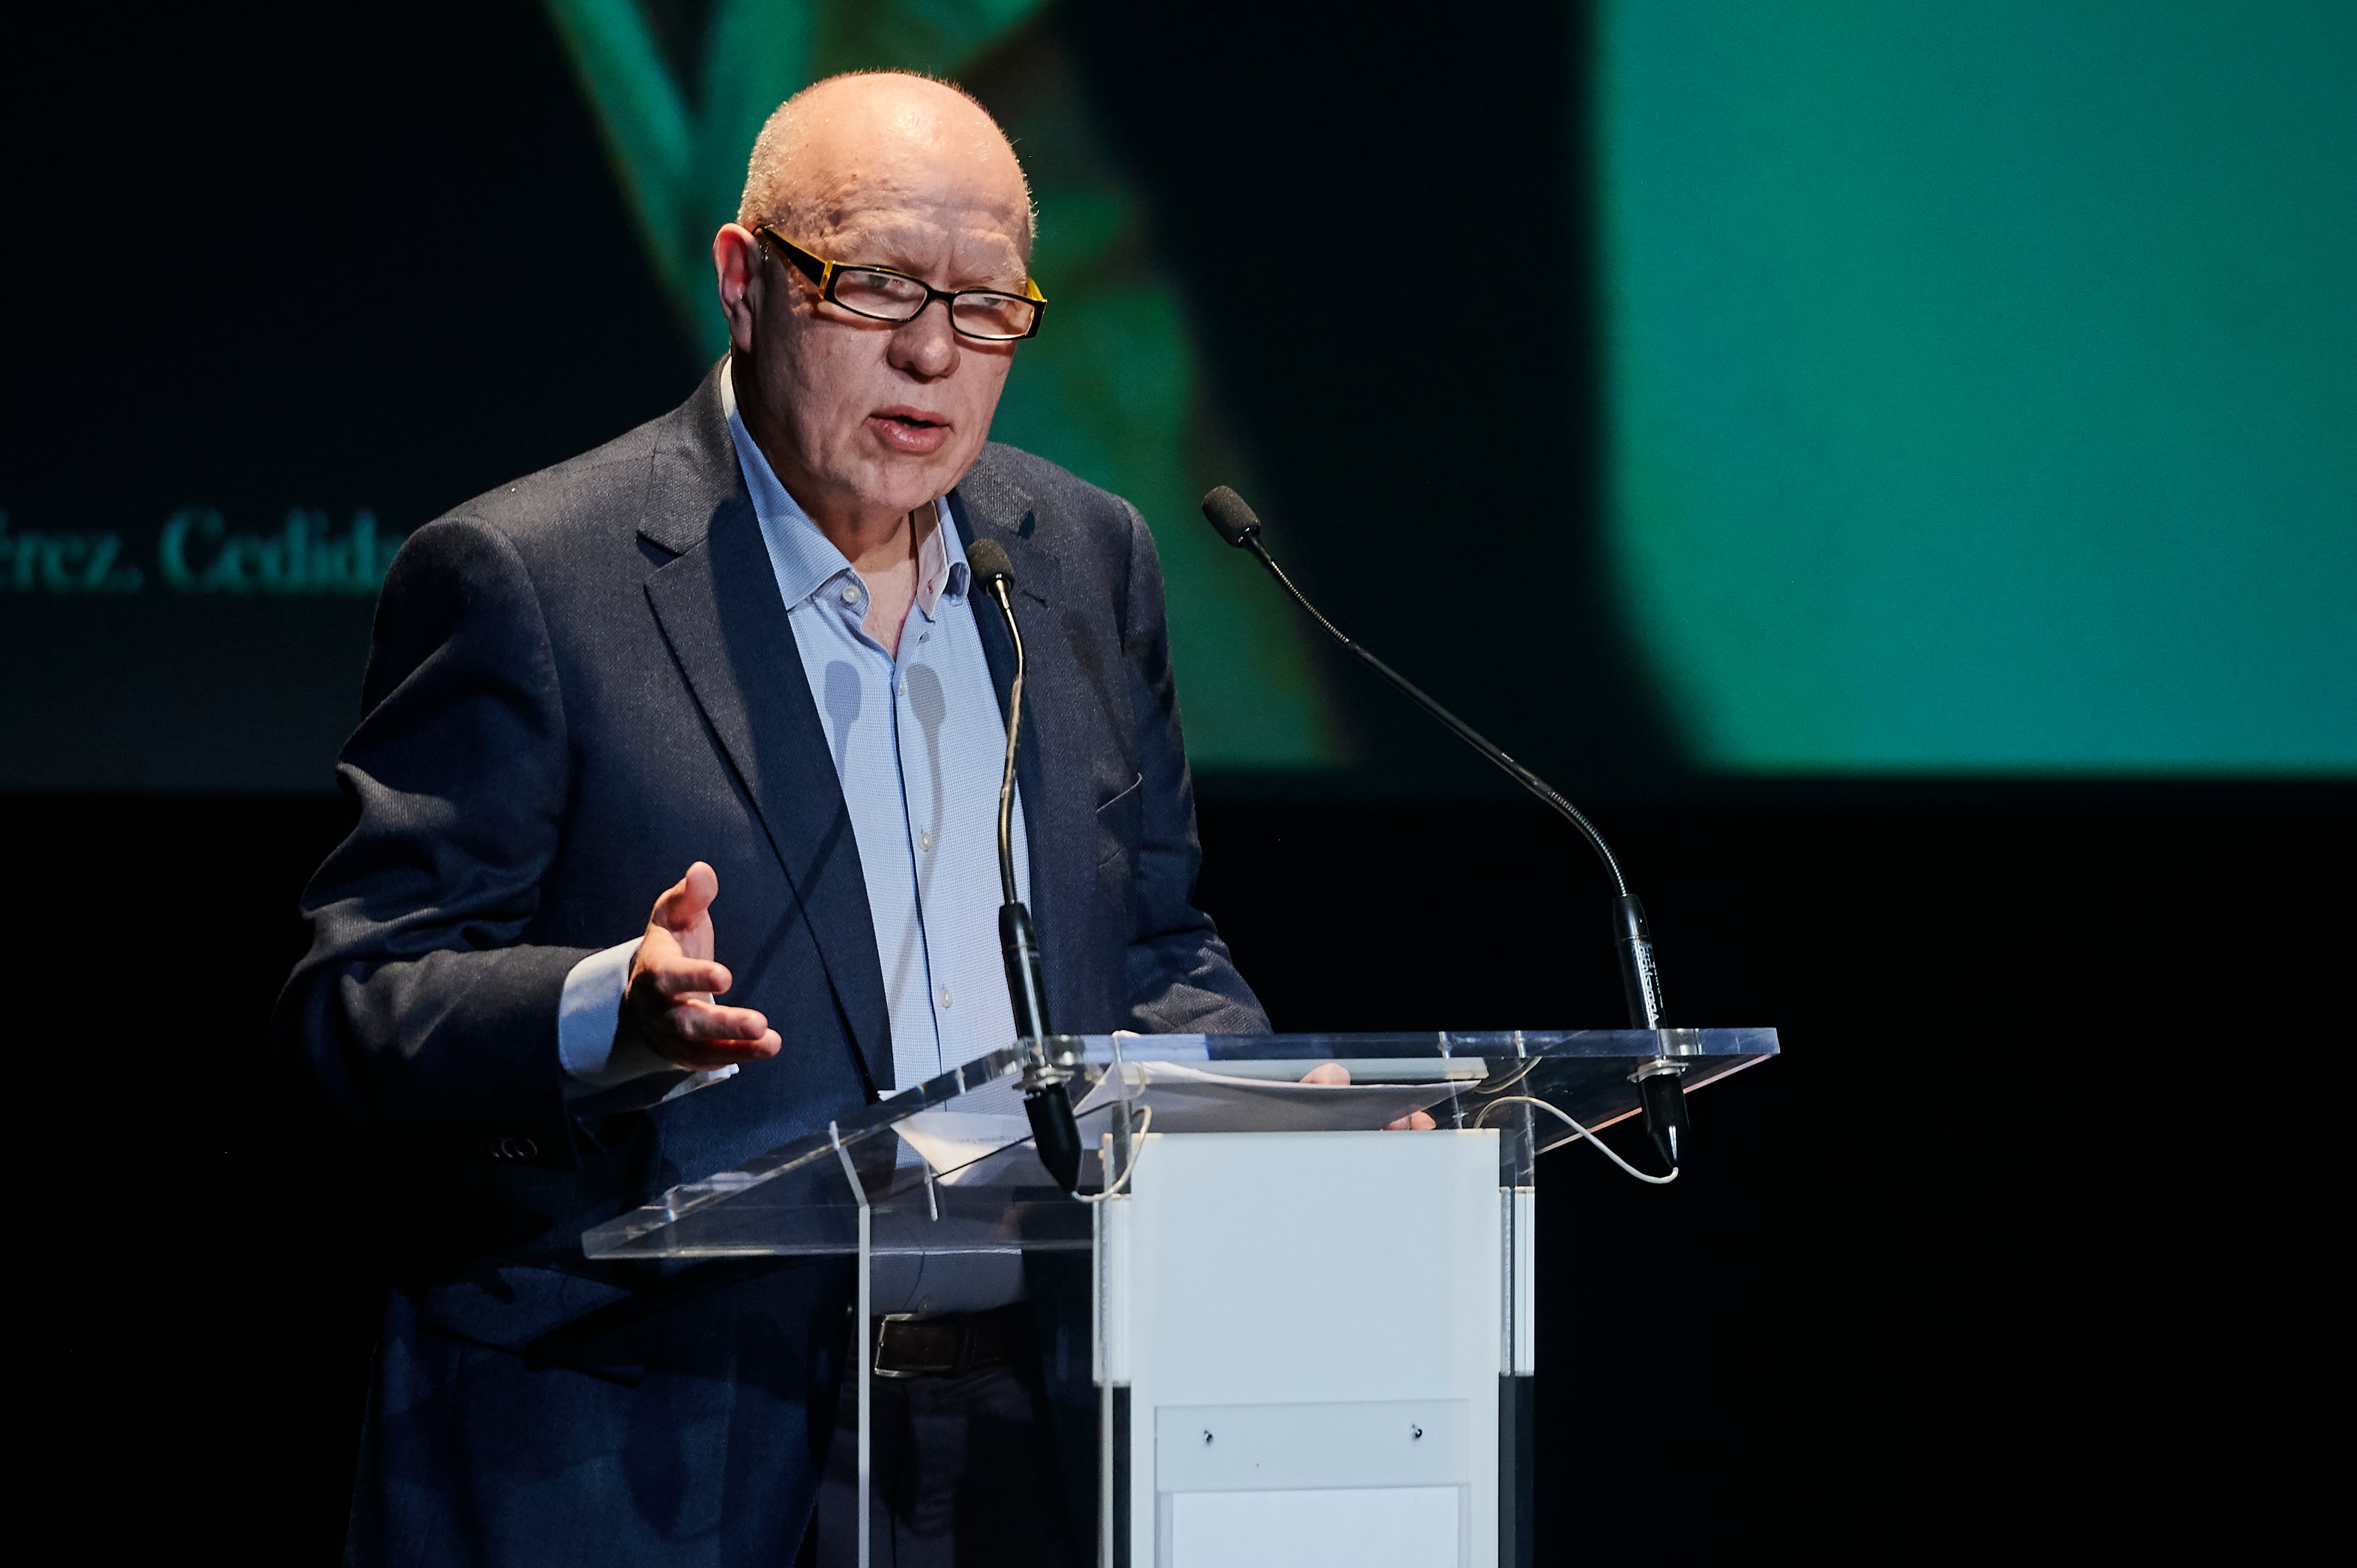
1683	391
1983	380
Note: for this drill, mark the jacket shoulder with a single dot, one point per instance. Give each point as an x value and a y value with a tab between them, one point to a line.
1083	527
1007	474
664	476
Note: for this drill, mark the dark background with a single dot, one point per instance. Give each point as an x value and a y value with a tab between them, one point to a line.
1982	1257
2017	1240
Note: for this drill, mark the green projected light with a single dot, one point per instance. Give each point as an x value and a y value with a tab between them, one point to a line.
1108	388
1983	380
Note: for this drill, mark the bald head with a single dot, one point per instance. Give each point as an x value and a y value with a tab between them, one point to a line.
853	144
868	415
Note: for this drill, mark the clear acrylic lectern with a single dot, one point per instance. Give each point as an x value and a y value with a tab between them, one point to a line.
1310	1339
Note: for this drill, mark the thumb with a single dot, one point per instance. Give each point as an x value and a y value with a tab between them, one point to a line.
683	903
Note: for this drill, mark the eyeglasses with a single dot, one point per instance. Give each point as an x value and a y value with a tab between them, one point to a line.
880	293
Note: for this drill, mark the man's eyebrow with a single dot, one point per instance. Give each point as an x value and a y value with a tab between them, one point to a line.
884	250
953	281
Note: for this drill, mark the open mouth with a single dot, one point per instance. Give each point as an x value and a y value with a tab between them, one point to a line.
910	429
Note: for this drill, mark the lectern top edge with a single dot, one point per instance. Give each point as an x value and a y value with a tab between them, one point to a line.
955	1141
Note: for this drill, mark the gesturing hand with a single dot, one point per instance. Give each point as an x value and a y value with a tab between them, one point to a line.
668	1002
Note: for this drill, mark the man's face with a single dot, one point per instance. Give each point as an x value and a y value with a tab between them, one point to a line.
876	418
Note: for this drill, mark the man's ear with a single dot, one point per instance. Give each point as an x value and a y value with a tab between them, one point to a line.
736	269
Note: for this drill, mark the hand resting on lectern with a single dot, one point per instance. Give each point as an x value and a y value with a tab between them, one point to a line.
1335	1072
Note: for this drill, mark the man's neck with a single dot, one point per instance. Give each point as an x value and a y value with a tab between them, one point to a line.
889	570
882	547
893	551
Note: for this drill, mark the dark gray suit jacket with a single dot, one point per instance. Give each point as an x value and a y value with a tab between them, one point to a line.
579	684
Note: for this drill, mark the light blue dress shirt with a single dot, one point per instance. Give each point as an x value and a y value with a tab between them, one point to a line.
918	746
918	743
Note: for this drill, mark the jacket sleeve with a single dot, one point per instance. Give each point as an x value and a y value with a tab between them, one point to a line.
1181	978
417	1011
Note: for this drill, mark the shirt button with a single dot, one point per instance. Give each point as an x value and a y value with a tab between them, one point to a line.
925	842
945	995
850	595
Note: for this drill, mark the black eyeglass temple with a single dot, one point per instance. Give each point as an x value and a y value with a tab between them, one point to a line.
810	266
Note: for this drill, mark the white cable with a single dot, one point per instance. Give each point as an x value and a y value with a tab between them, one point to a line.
1606	1149
1136	1152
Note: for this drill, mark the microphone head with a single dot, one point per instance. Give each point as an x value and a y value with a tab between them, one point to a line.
987	561
1228	513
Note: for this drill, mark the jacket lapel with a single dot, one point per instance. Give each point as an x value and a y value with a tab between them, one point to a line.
719	609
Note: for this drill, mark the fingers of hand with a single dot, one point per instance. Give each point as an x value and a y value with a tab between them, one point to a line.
700	1023
686	977
695	1034
683	903
704	1058
1335	1073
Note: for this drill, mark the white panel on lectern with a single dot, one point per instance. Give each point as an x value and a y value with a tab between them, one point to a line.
1359	1528
1318	1267
1310	1448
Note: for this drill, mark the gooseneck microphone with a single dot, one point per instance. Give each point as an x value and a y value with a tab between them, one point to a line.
1641	977
1045	1101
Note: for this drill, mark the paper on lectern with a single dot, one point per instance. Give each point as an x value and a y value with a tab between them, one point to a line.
956	1143
1188	1099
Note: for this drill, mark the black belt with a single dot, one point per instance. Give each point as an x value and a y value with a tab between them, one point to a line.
950	1345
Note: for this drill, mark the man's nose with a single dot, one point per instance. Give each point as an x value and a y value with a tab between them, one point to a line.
926	345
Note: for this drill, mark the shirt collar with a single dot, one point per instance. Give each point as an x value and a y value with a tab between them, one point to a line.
941	569
804	559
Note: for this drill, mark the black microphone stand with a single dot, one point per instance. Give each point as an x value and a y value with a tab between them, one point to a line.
1640	976
1046	1101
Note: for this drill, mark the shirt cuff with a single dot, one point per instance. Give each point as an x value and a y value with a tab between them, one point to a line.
586	1013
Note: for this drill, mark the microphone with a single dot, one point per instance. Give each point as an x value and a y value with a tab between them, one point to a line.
1640	976
1045	1101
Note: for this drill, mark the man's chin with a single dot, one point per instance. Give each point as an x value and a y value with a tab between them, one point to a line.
904	481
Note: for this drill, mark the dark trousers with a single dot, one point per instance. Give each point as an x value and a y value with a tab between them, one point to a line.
694	1443
962	1475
